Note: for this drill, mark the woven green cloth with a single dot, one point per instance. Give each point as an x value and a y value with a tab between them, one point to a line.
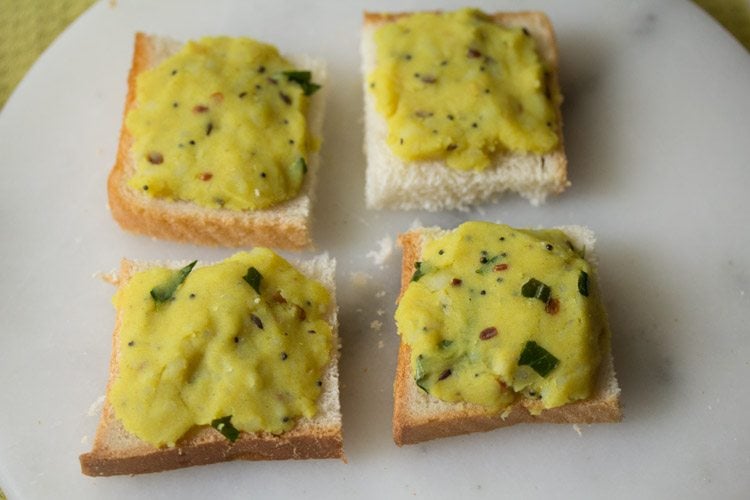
734	15
27	27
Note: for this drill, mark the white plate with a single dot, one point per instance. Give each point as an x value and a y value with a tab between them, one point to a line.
656	112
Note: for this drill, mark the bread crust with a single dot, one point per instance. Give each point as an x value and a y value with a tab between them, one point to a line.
202	446
418	416
286	225
394	183
117	452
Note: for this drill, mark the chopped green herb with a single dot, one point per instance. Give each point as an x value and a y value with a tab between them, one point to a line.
224	425
300	165
420	375
487	264
253	278
535	289
165	291
297	171
538	358
303	78
418	271
583	283
581	253
446	343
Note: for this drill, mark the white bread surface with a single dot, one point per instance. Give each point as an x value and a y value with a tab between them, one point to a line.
392	183
286	225
115	451
418	416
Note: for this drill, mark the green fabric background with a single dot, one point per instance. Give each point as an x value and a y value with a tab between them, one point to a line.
27	27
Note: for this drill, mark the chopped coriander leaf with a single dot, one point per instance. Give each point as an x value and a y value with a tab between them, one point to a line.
535	289
297	171
303	78
420	375
300	165
165	291
538	358
418	271
224	425
583	283
253	278
488	263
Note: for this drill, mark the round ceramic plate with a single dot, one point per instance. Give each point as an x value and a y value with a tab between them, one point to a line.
656	112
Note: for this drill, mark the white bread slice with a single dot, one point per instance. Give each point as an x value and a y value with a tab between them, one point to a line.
418	416
286	225
116	451
392	183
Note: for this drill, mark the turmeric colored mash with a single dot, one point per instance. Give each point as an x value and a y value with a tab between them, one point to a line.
494	314
222	123
244	342
459	87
